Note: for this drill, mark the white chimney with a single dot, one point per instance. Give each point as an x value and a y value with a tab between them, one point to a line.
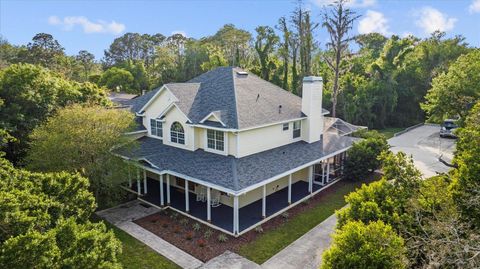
312	107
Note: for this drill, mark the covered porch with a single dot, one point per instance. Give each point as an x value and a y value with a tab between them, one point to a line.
235	214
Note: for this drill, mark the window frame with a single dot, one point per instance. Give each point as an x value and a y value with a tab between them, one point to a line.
176	136
286	126
297	131
156	121
217	134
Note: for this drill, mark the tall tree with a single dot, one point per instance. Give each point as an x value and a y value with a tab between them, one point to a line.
264	45
284	49
454	93
30	94
234	42
44	49
339	21
87	61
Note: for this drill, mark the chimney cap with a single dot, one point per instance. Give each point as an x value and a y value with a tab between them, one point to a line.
312	79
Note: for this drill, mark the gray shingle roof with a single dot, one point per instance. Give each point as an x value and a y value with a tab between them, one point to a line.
229	172
241	101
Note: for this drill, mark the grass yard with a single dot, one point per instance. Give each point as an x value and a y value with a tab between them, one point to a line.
389	132
271	242
137	255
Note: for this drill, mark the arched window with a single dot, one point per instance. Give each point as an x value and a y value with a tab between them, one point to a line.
177	135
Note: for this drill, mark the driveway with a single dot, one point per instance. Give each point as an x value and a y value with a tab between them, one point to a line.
426	146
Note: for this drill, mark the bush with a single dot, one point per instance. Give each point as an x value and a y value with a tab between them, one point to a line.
201	243
363	155
184	221
189	235
196	227
358	245
259	229
208	233
222	238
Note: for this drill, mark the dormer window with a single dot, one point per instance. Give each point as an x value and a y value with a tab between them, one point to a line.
177	134
297	127
156	128
215	140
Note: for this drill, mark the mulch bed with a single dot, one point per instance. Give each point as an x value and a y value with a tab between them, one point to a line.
192	236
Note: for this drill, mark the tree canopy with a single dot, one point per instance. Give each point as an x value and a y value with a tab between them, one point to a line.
44	222
79	139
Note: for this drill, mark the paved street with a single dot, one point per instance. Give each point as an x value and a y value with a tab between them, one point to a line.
426	146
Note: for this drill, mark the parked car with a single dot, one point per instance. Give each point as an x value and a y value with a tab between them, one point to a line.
447	128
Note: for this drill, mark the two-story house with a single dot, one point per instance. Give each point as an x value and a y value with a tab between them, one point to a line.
232	150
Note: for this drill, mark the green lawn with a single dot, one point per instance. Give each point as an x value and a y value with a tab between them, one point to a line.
389	132
138	255
271	242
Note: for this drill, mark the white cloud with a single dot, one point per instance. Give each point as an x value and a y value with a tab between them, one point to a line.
373	22
350	3
431	20
474	6
68	23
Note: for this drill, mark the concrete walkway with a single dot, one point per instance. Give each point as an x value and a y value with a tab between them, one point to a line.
230	260
305	252
123	216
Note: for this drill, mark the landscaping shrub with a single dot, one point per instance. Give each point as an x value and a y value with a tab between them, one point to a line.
208	233
189	235
259	229
359	245
196	227
363	155
222	238
201	243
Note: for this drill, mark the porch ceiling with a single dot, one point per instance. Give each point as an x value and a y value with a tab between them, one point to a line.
232	173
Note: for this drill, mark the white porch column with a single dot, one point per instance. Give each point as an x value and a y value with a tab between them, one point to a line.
328	170
235	215
187	201
145	181
129	177
310	178
168	189
162	203
139	189
209	208
323	173
290	189
264	201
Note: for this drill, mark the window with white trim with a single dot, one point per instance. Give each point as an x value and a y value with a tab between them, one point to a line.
156	128
285	126
177	134
297	127
215	140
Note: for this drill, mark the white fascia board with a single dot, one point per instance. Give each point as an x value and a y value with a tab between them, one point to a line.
212	128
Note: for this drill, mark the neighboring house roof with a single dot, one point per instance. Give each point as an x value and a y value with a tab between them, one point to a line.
339	126
240	99
227	171
118	97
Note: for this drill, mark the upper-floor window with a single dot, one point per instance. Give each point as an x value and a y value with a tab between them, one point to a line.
156	127
285	126
215	140
177	134
297	127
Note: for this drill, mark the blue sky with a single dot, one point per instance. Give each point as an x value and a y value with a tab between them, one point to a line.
92	25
